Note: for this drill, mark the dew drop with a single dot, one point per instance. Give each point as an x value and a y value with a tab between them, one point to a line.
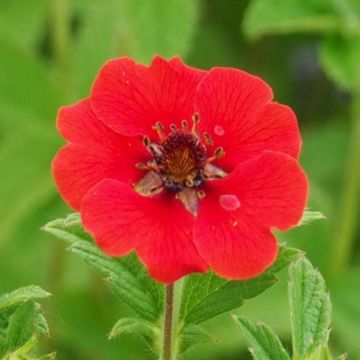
219	130
229	202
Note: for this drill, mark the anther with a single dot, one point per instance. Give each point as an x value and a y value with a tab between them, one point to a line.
159	128
219	152
173	128
146	141
208	139
141	166
155	149
201	194
184	124
196	120
189	182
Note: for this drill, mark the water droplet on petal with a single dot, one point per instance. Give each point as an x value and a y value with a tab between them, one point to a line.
219	130
229	202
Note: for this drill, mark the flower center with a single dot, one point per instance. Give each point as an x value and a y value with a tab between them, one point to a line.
181	161
180	164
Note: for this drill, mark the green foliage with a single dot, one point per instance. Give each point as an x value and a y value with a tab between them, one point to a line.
133	326
265	345
310	313
158	26
23	21
338	20
193	335
310	309
339	56
310	216
206	296
21	322
203	296
287	16
122	276
29	293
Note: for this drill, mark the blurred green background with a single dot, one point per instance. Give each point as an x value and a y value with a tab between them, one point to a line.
50	51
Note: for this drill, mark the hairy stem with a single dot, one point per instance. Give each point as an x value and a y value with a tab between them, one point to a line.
168	323
348	212
173	294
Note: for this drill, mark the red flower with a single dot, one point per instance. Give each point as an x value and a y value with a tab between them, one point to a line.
190	169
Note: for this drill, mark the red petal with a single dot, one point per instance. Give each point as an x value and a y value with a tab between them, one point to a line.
95	153
233	229
234	252
130	98
234	108
159	229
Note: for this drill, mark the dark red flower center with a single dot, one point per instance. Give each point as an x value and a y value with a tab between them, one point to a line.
181	161
180	164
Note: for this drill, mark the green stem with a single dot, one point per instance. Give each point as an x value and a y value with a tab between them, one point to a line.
173	295
347	218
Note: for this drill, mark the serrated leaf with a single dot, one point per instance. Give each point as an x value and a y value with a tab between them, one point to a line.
264	343
339	56
230	295
192	335
206	296
69	229
162	27
21	326
289	16
135	326
126	277
310	308
123	283
310	216
22	295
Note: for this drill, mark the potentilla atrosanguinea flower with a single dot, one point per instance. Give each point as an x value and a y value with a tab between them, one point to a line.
190	169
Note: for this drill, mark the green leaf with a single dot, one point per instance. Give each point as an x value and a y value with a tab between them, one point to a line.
192	335
69	229
22	295
339	56
289	16
126	277
265	345
134	326
51	356
164	27
310	216
22	21
206	296
310	308
321	353
21	326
